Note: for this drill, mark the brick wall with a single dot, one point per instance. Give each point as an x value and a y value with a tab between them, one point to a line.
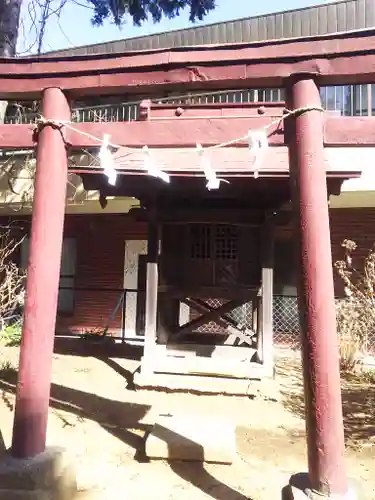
100	265
100	244
355	224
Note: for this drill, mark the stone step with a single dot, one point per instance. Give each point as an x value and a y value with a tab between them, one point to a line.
219	366
193	384
192	438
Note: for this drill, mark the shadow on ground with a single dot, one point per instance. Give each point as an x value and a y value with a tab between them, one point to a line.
358	400
103	349
122	420
97	346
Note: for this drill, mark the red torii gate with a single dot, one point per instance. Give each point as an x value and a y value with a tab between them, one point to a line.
299	66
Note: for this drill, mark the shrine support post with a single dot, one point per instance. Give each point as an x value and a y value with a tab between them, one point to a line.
34	379
320	353
267	356
151	292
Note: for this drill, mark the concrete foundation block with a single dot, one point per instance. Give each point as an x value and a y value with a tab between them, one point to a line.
299	488
48	476
193	438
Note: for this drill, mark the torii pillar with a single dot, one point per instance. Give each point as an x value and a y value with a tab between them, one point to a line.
327	476
43	272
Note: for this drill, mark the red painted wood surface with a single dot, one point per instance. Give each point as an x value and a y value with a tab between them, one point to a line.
253	110
43	275
320	352
333	58
331	45
179	132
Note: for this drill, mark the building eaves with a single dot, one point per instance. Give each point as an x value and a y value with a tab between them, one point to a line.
336	16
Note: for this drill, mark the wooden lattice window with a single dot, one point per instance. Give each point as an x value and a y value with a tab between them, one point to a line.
200	238
226	242
219	242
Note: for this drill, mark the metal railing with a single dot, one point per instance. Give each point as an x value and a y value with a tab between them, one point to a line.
348	100
21	118
98	310
116	312
121	112
226	97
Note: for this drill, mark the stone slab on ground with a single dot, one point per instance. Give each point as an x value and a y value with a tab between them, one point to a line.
193	438
48	476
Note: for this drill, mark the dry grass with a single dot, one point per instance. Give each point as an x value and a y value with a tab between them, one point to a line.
97	416
358	397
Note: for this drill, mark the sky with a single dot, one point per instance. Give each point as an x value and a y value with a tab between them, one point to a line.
74	28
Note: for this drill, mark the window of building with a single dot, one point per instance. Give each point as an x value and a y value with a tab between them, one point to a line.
347	100
65	303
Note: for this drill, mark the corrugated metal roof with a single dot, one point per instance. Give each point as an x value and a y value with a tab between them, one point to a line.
344	15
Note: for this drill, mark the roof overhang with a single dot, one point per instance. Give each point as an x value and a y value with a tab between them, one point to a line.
345	163
236	165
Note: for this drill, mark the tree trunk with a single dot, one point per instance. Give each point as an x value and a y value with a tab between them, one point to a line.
10	11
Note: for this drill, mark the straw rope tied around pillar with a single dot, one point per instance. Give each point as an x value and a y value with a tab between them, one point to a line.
257	141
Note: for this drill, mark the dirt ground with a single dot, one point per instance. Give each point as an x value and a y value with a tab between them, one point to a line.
101	421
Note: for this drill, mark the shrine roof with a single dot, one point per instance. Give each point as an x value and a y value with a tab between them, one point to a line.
240	162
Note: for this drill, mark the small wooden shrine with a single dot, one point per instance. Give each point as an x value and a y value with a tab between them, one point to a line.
210	264
214	269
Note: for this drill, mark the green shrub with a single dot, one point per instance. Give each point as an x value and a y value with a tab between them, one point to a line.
11	334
